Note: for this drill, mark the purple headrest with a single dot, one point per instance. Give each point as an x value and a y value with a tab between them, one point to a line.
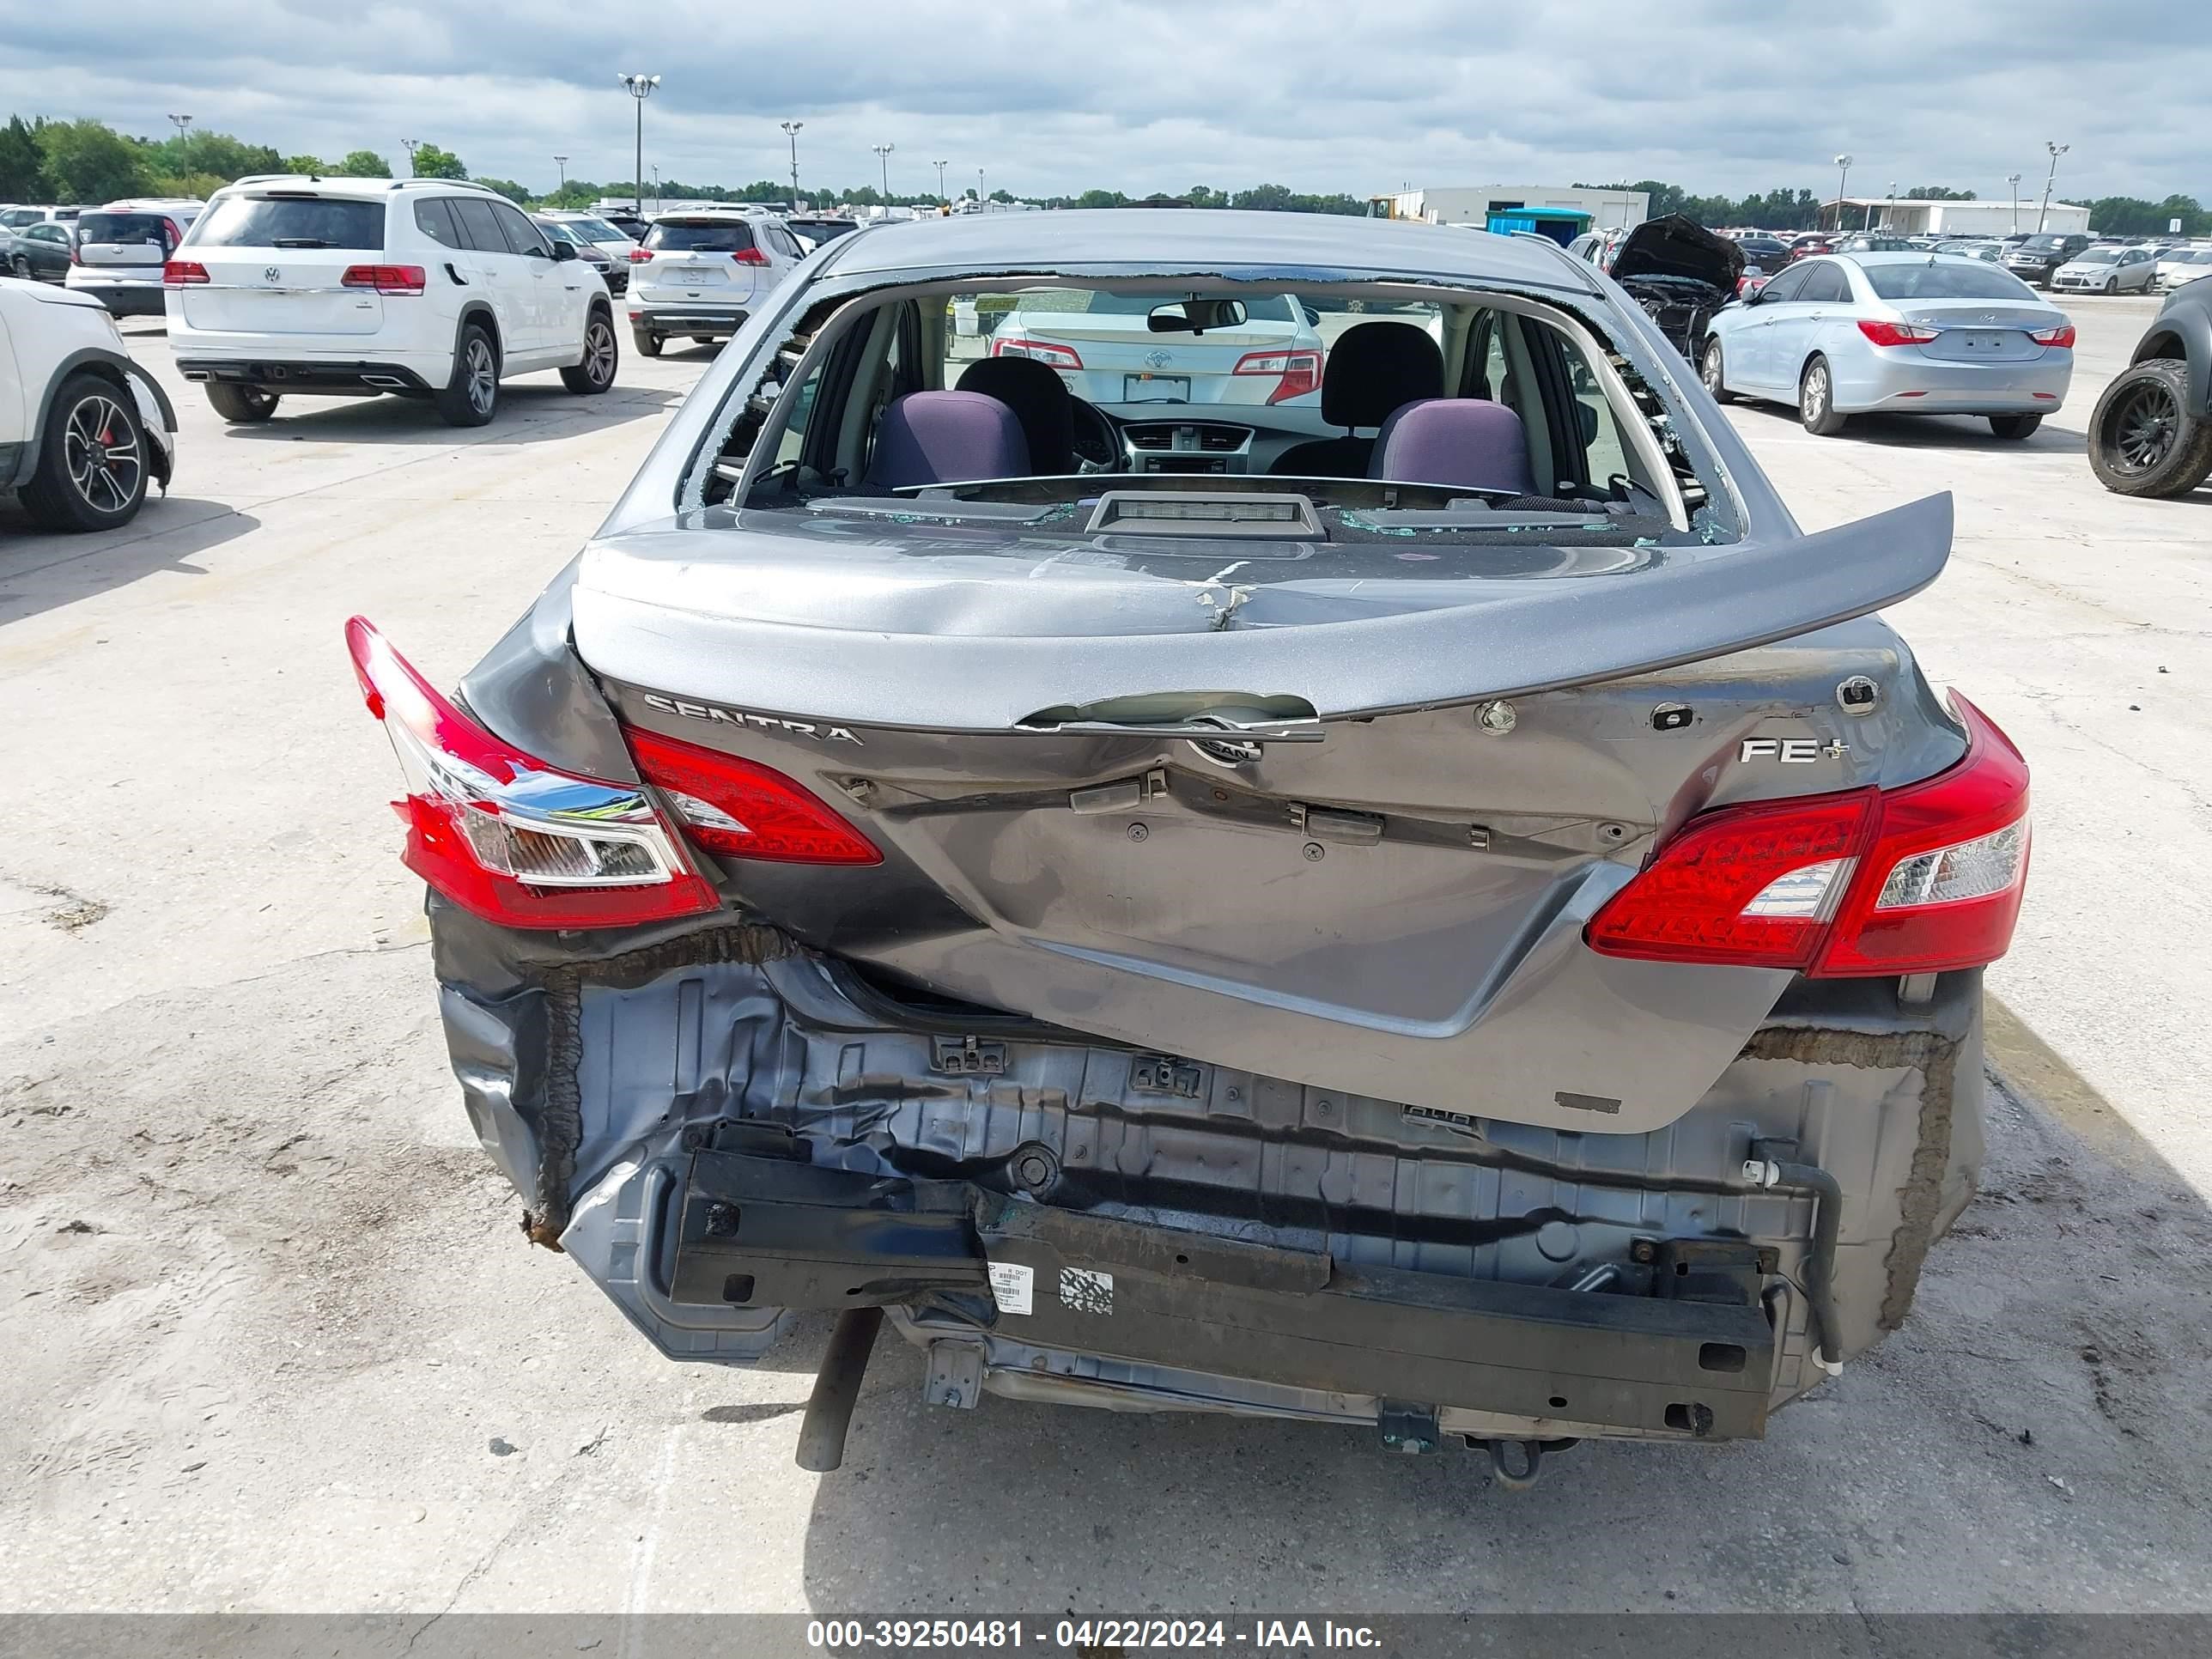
944	437
1469	441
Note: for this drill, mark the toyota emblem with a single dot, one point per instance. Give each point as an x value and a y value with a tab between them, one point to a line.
269	273
1158	359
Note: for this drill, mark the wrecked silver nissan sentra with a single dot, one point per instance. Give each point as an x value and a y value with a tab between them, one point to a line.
1384	884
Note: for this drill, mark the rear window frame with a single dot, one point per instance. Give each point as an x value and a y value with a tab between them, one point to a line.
209	224
160	222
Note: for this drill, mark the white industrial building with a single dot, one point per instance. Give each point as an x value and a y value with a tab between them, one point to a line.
1472	204
1909	216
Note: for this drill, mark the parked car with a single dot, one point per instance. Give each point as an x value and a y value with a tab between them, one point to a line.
609	238
121	248
815	229
14	215
1901	333
632	225
83	429
1875	242
2182	264
2151	432
612	272
1129	352
880	877
425	288
2106	271
1988	252
1681	273
1768	254
38	252
700	273
2034	258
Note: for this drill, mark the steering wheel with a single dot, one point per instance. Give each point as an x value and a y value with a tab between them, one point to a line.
1097	440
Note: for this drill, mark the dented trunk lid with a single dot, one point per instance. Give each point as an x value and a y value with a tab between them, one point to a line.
1318	812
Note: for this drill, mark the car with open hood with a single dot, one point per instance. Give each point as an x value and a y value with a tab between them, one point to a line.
1463	921
1680	272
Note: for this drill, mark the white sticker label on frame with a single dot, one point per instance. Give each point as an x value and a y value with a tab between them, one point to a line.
1012	1286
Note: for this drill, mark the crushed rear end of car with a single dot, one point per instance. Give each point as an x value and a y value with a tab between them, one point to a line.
1526	991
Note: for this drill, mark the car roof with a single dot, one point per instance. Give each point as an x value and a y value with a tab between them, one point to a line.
1206	240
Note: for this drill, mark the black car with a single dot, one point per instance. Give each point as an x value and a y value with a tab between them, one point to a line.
2151	433
1681	273
1768	254
38	252
632	225
820	229
2035	259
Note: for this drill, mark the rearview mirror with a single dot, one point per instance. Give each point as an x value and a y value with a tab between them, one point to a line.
1194	316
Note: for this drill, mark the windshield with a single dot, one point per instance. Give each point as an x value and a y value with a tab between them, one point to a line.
595	230
1937	281
2097	256
699	236
291	222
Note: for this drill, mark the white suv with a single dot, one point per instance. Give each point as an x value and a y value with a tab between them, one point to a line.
83	429
701	271
120	250
428	288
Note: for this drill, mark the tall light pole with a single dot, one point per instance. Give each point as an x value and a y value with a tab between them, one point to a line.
181	123
2013	179
791	131
1843	172
640	87
883	154
1889	205
979	189
561	162
2056	150
941	201
656	190
412	144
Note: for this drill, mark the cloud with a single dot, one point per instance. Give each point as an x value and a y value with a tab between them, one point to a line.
1053	96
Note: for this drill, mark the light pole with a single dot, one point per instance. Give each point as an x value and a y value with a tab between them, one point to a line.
412	145
979	189
883	154
561	162
657	203
1843	172
640	87
940	185
2056	150
181	123
2013	179
1888	205
791	131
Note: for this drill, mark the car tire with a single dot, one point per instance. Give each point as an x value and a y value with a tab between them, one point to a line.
20	268
2111	285
94	458
1709	371
2143	440
470	397
2014	426
596	373
1816	400
648	345
241	405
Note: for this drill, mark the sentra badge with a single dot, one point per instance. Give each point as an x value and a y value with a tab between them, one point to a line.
699	711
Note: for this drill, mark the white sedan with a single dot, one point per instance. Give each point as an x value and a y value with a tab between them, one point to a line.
1123	351
83	430
2106	271
2182	264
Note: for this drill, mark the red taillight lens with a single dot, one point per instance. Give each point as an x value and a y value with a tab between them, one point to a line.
1300	371
177	273
640	255
1053	356
508	838
2061	336
741	810
1921	879
750	256
1895	334
385	279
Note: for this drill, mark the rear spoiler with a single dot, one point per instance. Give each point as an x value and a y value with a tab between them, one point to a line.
959	639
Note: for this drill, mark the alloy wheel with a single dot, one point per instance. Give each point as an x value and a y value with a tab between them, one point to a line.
1710	367
482	380
2144	428
599	351
100	452
1814	402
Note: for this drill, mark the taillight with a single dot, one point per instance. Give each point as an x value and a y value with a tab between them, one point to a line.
171	235
508	838
2061	337
1054	357
1917	880
385	279
1895	334
177	273
738	809
750	256
1300	371
641	256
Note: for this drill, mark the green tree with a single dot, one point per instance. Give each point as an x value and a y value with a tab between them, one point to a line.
362	164
1939	193
311	164
518	194
89	161
432	162
216	155
576	193
22	164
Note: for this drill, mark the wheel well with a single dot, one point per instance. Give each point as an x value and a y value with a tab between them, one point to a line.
480	316
2164	344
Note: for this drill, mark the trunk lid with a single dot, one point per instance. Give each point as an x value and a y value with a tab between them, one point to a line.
1266	810
276	264
1976	332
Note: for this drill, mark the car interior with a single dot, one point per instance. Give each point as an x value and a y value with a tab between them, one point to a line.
1462	405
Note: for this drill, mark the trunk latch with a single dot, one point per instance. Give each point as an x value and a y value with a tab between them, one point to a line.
967	1056
1328	824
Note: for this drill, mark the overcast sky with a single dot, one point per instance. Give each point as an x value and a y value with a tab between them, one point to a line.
1139	95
